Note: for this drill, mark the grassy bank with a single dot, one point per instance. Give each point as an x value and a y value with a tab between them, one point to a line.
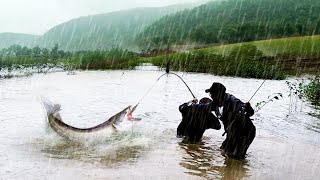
298	46
271	59
295	55
100	60
242	61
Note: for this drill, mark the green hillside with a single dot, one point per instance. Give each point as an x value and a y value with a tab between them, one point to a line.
101	31
8	39
233	21
104	31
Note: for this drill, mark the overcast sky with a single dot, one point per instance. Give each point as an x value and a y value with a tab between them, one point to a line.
38	16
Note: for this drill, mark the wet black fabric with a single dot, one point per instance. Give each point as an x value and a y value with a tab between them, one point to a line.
239	137
196	118
238	126
232	106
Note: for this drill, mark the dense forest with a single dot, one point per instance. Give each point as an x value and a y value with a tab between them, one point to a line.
233	21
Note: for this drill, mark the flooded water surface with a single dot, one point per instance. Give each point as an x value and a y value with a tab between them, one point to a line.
286	146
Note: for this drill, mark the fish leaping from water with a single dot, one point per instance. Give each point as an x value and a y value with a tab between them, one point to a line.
68	131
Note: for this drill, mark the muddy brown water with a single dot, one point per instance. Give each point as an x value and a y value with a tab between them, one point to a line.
286	146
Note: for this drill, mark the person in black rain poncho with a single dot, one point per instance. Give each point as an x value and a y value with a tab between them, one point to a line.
196	118
235	117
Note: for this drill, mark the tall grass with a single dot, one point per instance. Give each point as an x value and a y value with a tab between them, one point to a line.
100	60
242	61
298	46
309	90
312	90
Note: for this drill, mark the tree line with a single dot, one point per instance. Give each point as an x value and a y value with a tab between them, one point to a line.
23	57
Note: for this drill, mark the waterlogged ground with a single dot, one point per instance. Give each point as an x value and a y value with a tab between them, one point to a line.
286	146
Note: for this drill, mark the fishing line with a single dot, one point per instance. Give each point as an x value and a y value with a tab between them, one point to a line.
248	101
257	90
167	72
158	80
184	83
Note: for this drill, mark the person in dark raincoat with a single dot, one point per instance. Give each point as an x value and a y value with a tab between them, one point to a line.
235	117
196	118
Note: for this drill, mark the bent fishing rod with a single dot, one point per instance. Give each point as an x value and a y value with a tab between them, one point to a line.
159	79
180	79
166	73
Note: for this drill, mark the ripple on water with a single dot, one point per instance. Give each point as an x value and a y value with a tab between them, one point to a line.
116	149
285	137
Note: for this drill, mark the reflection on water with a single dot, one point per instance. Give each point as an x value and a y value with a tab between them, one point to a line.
117	149
205	160
234	169
315	124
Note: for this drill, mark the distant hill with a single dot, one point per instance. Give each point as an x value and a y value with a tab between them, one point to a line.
101	31
233	21
7	39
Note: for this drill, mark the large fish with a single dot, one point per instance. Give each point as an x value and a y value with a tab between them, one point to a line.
71	132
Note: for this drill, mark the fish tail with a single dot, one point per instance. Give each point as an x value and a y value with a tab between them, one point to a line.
49	106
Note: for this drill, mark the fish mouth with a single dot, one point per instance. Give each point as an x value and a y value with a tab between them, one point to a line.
129	114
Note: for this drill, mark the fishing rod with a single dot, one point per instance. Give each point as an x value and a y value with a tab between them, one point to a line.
159	79
248	101
183	82
257	90
166	73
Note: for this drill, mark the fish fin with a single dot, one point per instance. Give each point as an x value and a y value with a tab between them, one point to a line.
49	106
114	127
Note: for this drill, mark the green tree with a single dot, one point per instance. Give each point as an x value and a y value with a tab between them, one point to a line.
54	54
